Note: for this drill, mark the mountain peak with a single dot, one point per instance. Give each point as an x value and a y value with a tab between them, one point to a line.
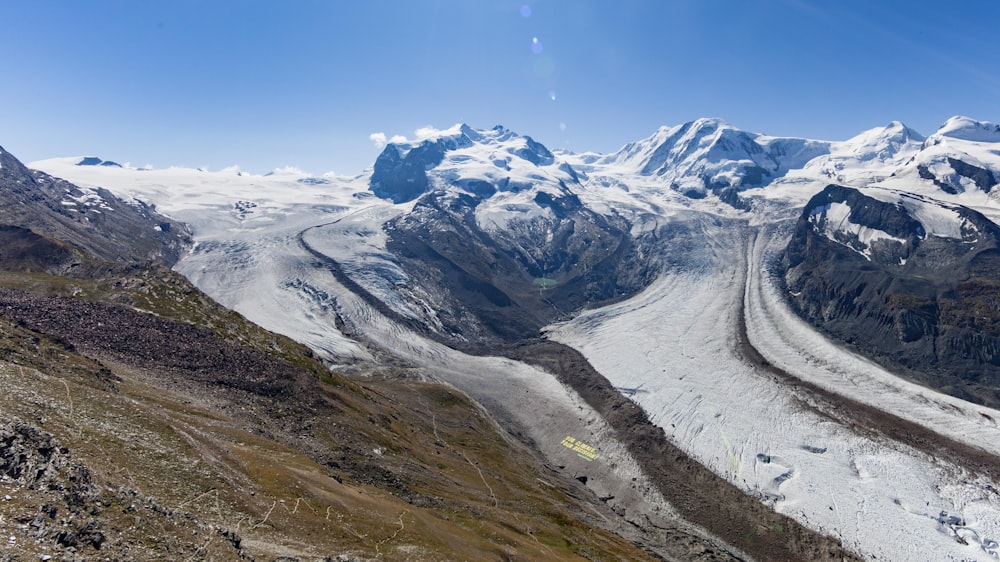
95	161
708	124
479	161
898	128
965	128
710	155
883	143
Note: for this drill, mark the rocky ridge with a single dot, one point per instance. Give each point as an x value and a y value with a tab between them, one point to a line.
917	294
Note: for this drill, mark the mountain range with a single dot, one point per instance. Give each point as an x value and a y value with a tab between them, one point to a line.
808	330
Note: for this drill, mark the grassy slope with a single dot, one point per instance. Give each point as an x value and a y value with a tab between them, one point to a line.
393	469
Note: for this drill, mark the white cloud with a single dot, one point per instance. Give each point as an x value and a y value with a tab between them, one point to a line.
288	171
378	139
423	133
429	132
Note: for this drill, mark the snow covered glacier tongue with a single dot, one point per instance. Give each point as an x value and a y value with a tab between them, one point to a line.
794	441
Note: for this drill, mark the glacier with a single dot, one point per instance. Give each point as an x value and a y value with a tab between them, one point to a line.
675	348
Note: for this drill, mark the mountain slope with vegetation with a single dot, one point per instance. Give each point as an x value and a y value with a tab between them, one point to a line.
141	420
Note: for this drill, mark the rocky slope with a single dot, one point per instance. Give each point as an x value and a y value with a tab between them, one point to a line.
906	279
93	220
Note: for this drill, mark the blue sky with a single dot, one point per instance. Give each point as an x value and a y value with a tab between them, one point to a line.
307	83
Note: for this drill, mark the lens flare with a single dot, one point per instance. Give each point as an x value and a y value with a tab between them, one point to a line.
525	11
536	46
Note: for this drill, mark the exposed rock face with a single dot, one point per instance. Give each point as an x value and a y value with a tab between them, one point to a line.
402	177
503	284
91	219
911	282
95	161
31	458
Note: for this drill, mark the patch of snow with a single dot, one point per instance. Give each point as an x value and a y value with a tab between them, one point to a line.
938	218
501	210
833	220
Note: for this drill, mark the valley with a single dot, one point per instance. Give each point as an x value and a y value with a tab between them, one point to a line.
642	305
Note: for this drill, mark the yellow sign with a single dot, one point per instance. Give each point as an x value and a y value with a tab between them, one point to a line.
583	450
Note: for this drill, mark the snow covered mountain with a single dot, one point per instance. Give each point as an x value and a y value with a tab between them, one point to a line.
767	303
497	242
960	157
866	158
709	155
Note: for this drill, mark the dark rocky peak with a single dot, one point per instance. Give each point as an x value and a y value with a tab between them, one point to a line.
865	211
11	169
95	161
400	171
400	175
